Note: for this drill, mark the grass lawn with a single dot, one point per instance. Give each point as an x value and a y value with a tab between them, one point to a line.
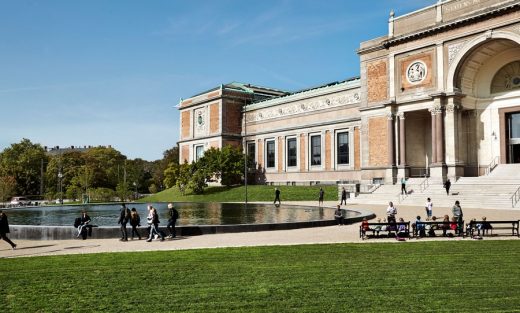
454	276
254	193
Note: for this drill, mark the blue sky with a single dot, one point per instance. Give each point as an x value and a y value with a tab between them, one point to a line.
110	72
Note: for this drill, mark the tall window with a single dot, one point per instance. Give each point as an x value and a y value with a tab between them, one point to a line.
270	154
316	150
199	152
343	148
251	151
291	152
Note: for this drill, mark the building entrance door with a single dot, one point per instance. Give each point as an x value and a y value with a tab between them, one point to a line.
513	141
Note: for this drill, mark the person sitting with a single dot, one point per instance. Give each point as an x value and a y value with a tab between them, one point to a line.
83	225
420	227
486	226
445	225
433	227
402	233
364	228
378	228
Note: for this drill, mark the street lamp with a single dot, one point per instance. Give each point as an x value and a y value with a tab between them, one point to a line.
60	177
135	195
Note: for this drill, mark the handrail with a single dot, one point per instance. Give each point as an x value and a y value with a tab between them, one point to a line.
492	165
515	197
425	184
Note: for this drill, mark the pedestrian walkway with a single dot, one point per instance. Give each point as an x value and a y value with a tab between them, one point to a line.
317	235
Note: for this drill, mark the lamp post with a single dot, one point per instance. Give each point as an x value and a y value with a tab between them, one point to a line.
60	177
135	194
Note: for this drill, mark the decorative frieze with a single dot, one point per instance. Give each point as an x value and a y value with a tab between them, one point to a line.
453	50
302	107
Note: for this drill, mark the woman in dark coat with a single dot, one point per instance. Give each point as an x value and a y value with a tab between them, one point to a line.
4	229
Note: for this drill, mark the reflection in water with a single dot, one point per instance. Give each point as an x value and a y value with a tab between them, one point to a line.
190	214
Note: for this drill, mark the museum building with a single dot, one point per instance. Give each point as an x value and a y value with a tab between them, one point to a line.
438	96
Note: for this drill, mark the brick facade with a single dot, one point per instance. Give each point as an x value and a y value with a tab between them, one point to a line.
185	124
428	81
377	81
378	141
232	117
281	150
303	164
185	154
214	118
357	157
328	150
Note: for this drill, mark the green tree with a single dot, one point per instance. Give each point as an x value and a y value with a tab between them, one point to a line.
170	158
226	164
171	175
23	162
7	187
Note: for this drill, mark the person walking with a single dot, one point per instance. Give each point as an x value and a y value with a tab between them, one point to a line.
320	197
343	196
429	209
277	196
135	221
174	215
458	216
4	229
154	227
124	217
403	185
447	186
338	216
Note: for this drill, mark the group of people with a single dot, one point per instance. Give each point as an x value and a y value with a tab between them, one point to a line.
132	217
419	227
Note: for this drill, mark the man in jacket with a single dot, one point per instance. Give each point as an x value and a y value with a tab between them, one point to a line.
4	229
124	217
174	215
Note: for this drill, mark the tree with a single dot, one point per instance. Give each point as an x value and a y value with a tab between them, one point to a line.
171	175
7	187
226	164
23	162
170	158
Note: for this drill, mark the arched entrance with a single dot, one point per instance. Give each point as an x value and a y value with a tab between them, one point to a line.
486	73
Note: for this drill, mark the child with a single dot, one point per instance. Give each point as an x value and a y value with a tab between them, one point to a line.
364	228
420	227
401	231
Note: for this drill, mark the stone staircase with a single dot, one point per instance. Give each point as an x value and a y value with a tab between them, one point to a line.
492	191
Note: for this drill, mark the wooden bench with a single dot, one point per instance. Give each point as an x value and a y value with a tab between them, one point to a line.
443	227
388	228
487	227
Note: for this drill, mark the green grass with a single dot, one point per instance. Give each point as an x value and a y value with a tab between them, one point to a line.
442	276
254	193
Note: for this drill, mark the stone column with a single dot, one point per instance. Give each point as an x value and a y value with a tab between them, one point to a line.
390	130
434	136
402	140
452	136
439	140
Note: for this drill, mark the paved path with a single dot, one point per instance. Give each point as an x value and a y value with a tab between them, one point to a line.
318	235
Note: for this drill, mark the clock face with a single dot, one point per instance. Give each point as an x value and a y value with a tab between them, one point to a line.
416	72
507	78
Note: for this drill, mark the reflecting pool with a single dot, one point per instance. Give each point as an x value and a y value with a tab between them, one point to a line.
190	214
